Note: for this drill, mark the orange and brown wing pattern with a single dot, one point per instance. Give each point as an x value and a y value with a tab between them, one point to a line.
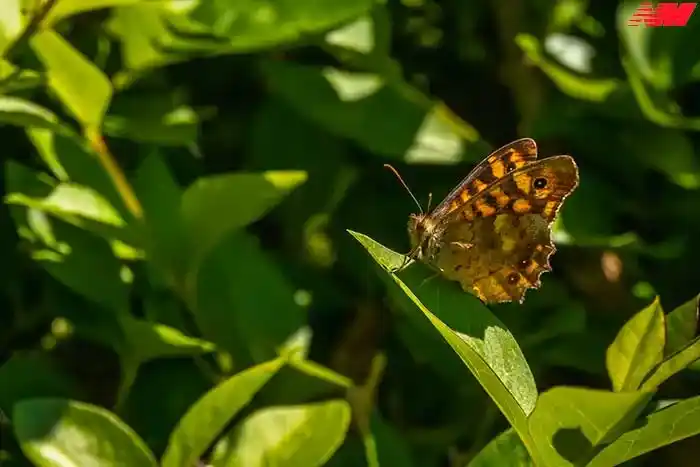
539	188
497	165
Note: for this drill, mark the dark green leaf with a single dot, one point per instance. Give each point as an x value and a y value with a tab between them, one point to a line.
681	325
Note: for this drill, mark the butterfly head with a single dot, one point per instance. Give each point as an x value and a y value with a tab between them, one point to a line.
421	231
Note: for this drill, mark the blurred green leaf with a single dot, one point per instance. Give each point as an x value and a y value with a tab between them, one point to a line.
79	84
580	87
164	233
216	206
60	432
658	429
669	151
25	113
681	325
204	421
153	118
491	353
294	435
569	424
637	349
32	375
70	159
10	23
69	199
152	35
242	302
77	258
147	341
66	8
504	449
384	115
392	448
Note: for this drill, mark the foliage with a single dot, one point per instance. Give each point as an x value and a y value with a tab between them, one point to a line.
192	196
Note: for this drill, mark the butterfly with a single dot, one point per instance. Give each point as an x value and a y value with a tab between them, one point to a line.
492	233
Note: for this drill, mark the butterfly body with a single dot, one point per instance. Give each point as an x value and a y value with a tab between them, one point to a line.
492	233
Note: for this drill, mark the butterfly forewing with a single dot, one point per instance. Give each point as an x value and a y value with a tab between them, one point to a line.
498	164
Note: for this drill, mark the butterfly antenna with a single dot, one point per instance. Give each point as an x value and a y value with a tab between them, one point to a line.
430	201
404	185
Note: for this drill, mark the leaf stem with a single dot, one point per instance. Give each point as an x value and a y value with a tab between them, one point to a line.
125	190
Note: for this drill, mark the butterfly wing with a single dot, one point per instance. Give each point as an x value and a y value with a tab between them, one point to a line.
498	244
498	164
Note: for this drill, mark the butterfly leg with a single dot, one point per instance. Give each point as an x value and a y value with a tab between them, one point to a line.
462	245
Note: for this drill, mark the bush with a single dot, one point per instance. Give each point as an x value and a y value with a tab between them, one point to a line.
193	191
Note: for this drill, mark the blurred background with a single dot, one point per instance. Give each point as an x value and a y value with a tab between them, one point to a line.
336	90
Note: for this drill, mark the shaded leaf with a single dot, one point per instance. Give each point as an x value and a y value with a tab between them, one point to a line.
569	424
673	364
681	325
242	302
504	449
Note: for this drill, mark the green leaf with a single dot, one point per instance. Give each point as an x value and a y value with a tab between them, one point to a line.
152	34
673	364
207	204
151	117
660	428
27	376
392	448
148	341
80	85
60	432
504	449
263	25
164	234
66	8
204	421
69	199
253	319
10	23
681	325
679	163
570	424
24	113
487	349
384	115
579	87
305	435
70	159
74	255
637	349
